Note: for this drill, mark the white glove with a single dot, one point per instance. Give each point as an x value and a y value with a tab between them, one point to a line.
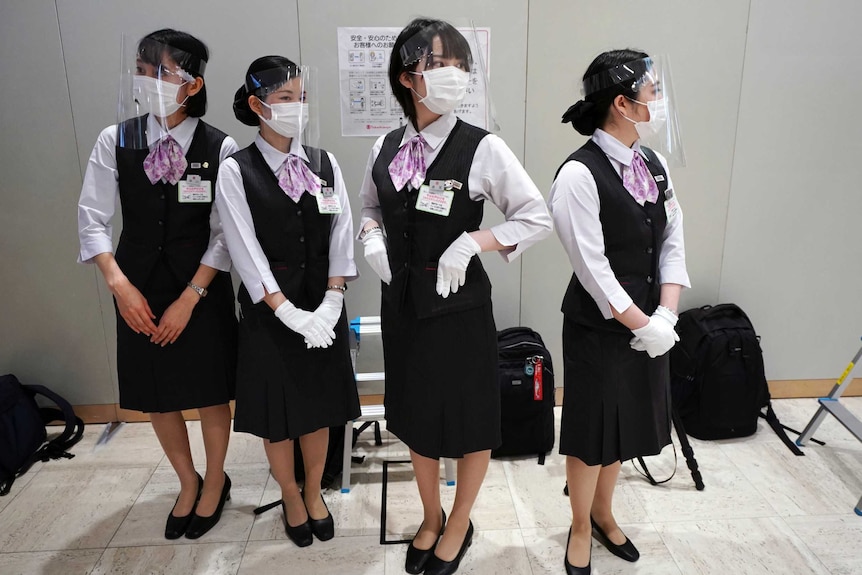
305	324
375	254
452	267
328	312
658	336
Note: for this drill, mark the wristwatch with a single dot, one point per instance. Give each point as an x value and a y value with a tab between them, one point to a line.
342	287
201	291
365	232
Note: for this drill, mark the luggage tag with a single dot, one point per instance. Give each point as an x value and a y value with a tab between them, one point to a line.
435	198
328	202
671	207
538	388
193	190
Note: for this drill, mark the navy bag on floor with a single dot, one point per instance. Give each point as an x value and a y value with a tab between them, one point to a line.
526	375
22	429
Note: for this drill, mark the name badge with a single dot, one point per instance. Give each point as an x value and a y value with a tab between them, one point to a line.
195	192
437	202
328	202
671	207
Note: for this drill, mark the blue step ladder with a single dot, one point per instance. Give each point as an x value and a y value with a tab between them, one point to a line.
831	404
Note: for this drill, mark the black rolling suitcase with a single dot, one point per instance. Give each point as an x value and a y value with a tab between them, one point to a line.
526	375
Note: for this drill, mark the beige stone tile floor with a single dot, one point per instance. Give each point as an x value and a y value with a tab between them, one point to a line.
763	511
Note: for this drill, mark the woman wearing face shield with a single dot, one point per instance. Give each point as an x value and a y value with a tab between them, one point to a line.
289	230
617	217
176	325
422	201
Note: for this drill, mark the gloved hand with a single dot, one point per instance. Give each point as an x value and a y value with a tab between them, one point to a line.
452	267
658	336
375	254
305	324
329	311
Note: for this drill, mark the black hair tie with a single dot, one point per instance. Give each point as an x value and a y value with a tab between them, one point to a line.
577	110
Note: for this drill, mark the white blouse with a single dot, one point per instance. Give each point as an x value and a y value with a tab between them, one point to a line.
574	203
245	251
101	191
496	175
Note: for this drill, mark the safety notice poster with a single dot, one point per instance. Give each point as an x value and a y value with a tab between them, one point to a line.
368	107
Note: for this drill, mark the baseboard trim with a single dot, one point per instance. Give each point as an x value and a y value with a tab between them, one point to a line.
778	389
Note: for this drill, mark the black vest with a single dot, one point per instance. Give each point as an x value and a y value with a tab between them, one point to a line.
633	236
417	239
156	226
294	236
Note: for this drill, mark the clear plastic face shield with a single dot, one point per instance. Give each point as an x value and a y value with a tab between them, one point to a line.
155	83
650	79
450	64
289	105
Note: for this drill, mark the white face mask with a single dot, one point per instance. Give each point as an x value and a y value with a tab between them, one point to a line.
657	118
156	96
288	119
445	88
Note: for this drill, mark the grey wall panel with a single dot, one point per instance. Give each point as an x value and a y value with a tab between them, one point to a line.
706	43
792	257
52	330
318	27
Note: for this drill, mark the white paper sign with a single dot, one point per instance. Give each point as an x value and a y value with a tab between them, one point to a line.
368	107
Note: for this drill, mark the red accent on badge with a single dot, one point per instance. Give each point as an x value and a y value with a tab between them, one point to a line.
538	392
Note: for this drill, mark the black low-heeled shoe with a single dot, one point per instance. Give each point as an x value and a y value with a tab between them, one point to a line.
301	535
417	558
626	551
437	566
175	527
323	529
200	525
571	569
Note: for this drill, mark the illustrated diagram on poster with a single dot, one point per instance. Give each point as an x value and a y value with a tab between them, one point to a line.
368	107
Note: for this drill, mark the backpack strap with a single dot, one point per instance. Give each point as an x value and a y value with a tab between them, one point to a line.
57	447
778	428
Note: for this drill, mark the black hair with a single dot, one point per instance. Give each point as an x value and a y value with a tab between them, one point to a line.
414	43
278	71
591	113
188	52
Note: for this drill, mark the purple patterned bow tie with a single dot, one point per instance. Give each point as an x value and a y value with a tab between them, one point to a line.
296	178
639	182
166	160
409	164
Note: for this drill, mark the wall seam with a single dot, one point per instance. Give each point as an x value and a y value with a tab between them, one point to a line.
81	174
524	147
733	157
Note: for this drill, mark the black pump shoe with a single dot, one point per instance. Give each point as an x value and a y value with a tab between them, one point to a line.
571	569
417	558
301	534
175	527
625	551
200	525
323	529
437	566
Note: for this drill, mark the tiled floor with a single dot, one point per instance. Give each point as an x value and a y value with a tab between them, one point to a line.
763	511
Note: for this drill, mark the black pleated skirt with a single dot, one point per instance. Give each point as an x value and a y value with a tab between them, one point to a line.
616	402
285	390
199	369
442	393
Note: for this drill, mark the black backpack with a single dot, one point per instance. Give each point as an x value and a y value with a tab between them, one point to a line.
526	374
718	382
22	429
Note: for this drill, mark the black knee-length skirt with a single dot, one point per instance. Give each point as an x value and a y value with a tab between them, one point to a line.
616	401
442	394
199	369
285	390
